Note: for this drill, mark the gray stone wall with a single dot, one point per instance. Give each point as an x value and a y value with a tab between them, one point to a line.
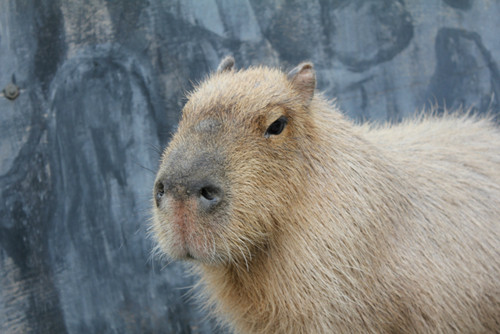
101	84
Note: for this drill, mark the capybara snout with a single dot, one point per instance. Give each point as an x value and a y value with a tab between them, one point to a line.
192	196
195	175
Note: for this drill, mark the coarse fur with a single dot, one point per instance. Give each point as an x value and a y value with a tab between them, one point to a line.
328	226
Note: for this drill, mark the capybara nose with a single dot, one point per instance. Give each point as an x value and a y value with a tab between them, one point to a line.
209	196
206	193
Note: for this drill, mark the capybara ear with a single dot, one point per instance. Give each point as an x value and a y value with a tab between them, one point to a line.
303	78
226	64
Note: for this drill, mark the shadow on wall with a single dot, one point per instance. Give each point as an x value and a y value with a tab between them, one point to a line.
466	73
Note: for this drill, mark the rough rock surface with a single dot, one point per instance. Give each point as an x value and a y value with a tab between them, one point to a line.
101	86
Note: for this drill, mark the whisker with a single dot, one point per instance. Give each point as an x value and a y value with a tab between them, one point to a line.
146	168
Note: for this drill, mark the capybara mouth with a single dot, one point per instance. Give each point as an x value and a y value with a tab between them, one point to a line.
189	237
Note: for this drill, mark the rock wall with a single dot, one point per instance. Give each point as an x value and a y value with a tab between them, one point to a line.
92	91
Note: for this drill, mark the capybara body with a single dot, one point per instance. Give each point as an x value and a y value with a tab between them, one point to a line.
300	221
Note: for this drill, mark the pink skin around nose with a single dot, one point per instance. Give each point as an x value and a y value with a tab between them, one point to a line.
188	238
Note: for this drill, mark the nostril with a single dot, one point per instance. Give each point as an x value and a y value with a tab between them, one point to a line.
210	196
159	192
208	193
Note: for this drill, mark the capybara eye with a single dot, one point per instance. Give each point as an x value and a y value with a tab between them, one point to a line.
276	127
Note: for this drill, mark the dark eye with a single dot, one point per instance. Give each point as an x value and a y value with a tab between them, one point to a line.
276	127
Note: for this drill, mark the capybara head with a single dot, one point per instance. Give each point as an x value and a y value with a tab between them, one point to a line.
234	168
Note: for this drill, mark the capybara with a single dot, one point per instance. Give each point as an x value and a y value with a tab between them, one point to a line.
300	221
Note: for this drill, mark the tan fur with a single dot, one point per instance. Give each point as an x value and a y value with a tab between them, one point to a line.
331	227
